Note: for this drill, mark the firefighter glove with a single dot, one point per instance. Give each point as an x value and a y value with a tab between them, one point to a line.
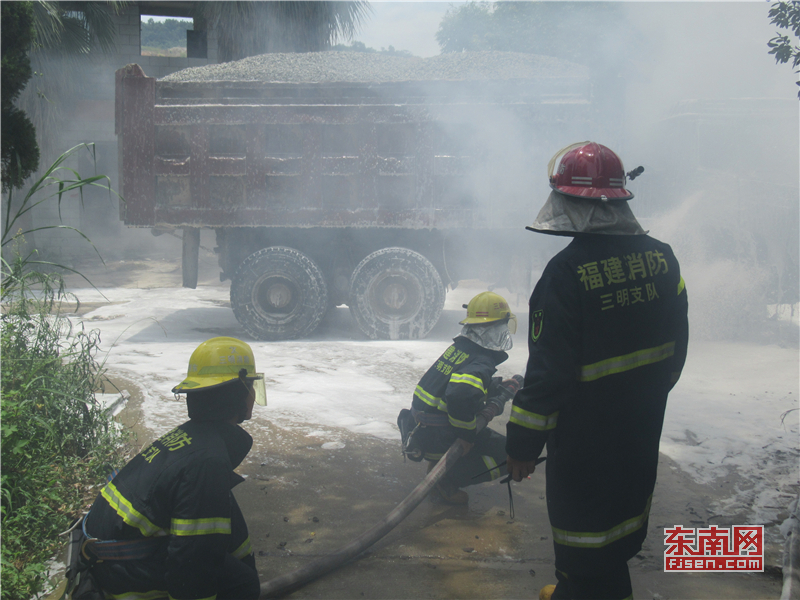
494	386
508	388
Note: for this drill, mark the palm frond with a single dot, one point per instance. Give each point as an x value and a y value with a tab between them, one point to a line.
250	28
75	38
47	23
98	22
75	27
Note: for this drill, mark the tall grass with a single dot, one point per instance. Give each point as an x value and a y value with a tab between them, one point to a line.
58	442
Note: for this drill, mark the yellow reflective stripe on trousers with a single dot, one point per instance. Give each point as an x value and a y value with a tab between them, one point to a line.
462	424
200	526
532	420
626	362
243	550
469	380
430	400
151	595
601	538
681	286
491	464
129	515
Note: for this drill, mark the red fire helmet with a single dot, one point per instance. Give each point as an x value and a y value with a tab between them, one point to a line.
588	170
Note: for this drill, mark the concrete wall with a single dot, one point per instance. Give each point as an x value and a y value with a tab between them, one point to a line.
89	118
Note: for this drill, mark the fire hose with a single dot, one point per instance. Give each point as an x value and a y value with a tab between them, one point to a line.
290	582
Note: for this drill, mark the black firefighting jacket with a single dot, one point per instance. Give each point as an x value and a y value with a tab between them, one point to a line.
607	342
179	488
457	384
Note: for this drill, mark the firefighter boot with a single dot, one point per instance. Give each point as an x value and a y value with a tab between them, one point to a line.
546	592
446	492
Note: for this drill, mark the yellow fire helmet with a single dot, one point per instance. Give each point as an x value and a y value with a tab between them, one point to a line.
219	360
488	307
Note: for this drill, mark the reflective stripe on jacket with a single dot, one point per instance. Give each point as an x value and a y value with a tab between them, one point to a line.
456	385
179	489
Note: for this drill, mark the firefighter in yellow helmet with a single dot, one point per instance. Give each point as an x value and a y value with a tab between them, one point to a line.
167	525
455	389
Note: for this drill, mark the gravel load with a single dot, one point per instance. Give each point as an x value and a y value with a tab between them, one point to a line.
356	67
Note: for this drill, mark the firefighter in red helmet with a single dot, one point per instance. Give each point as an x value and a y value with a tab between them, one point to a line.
607	342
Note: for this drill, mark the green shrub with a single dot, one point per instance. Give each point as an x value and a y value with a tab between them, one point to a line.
58	443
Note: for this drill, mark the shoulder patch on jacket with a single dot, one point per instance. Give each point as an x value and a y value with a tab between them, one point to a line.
537	321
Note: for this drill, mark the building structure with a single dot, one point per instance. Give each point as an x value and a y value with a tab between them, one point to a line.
88	117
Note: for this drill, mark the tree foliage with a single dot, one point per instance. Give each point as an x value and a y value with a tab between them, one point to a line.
593	34
20	153
786	15
165	34
251	28
362	47
589	33
471	26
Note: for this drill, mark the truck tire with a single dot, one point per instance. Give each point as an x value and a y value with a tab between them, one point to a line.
278	293
396	294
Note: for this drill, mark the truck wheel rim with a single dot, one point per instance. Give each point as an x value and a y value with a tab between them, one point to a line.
276	296
395	297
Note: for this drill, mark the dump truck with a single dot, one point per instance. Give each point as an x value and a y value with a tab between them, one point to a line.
343	178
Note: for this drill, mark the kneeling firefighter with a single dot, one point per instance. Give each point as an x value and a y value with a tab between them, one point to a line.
455	389
167	525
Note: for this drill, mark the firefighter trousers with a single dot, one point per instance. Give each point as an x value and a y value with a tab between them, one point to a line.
488	452
141	578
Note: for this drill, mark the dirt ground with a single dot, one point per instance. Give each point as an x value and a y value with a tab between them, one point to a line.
304	499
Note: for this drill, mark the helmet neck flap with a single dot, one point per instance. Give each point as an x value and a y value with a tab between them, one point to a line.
492	336
566	215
